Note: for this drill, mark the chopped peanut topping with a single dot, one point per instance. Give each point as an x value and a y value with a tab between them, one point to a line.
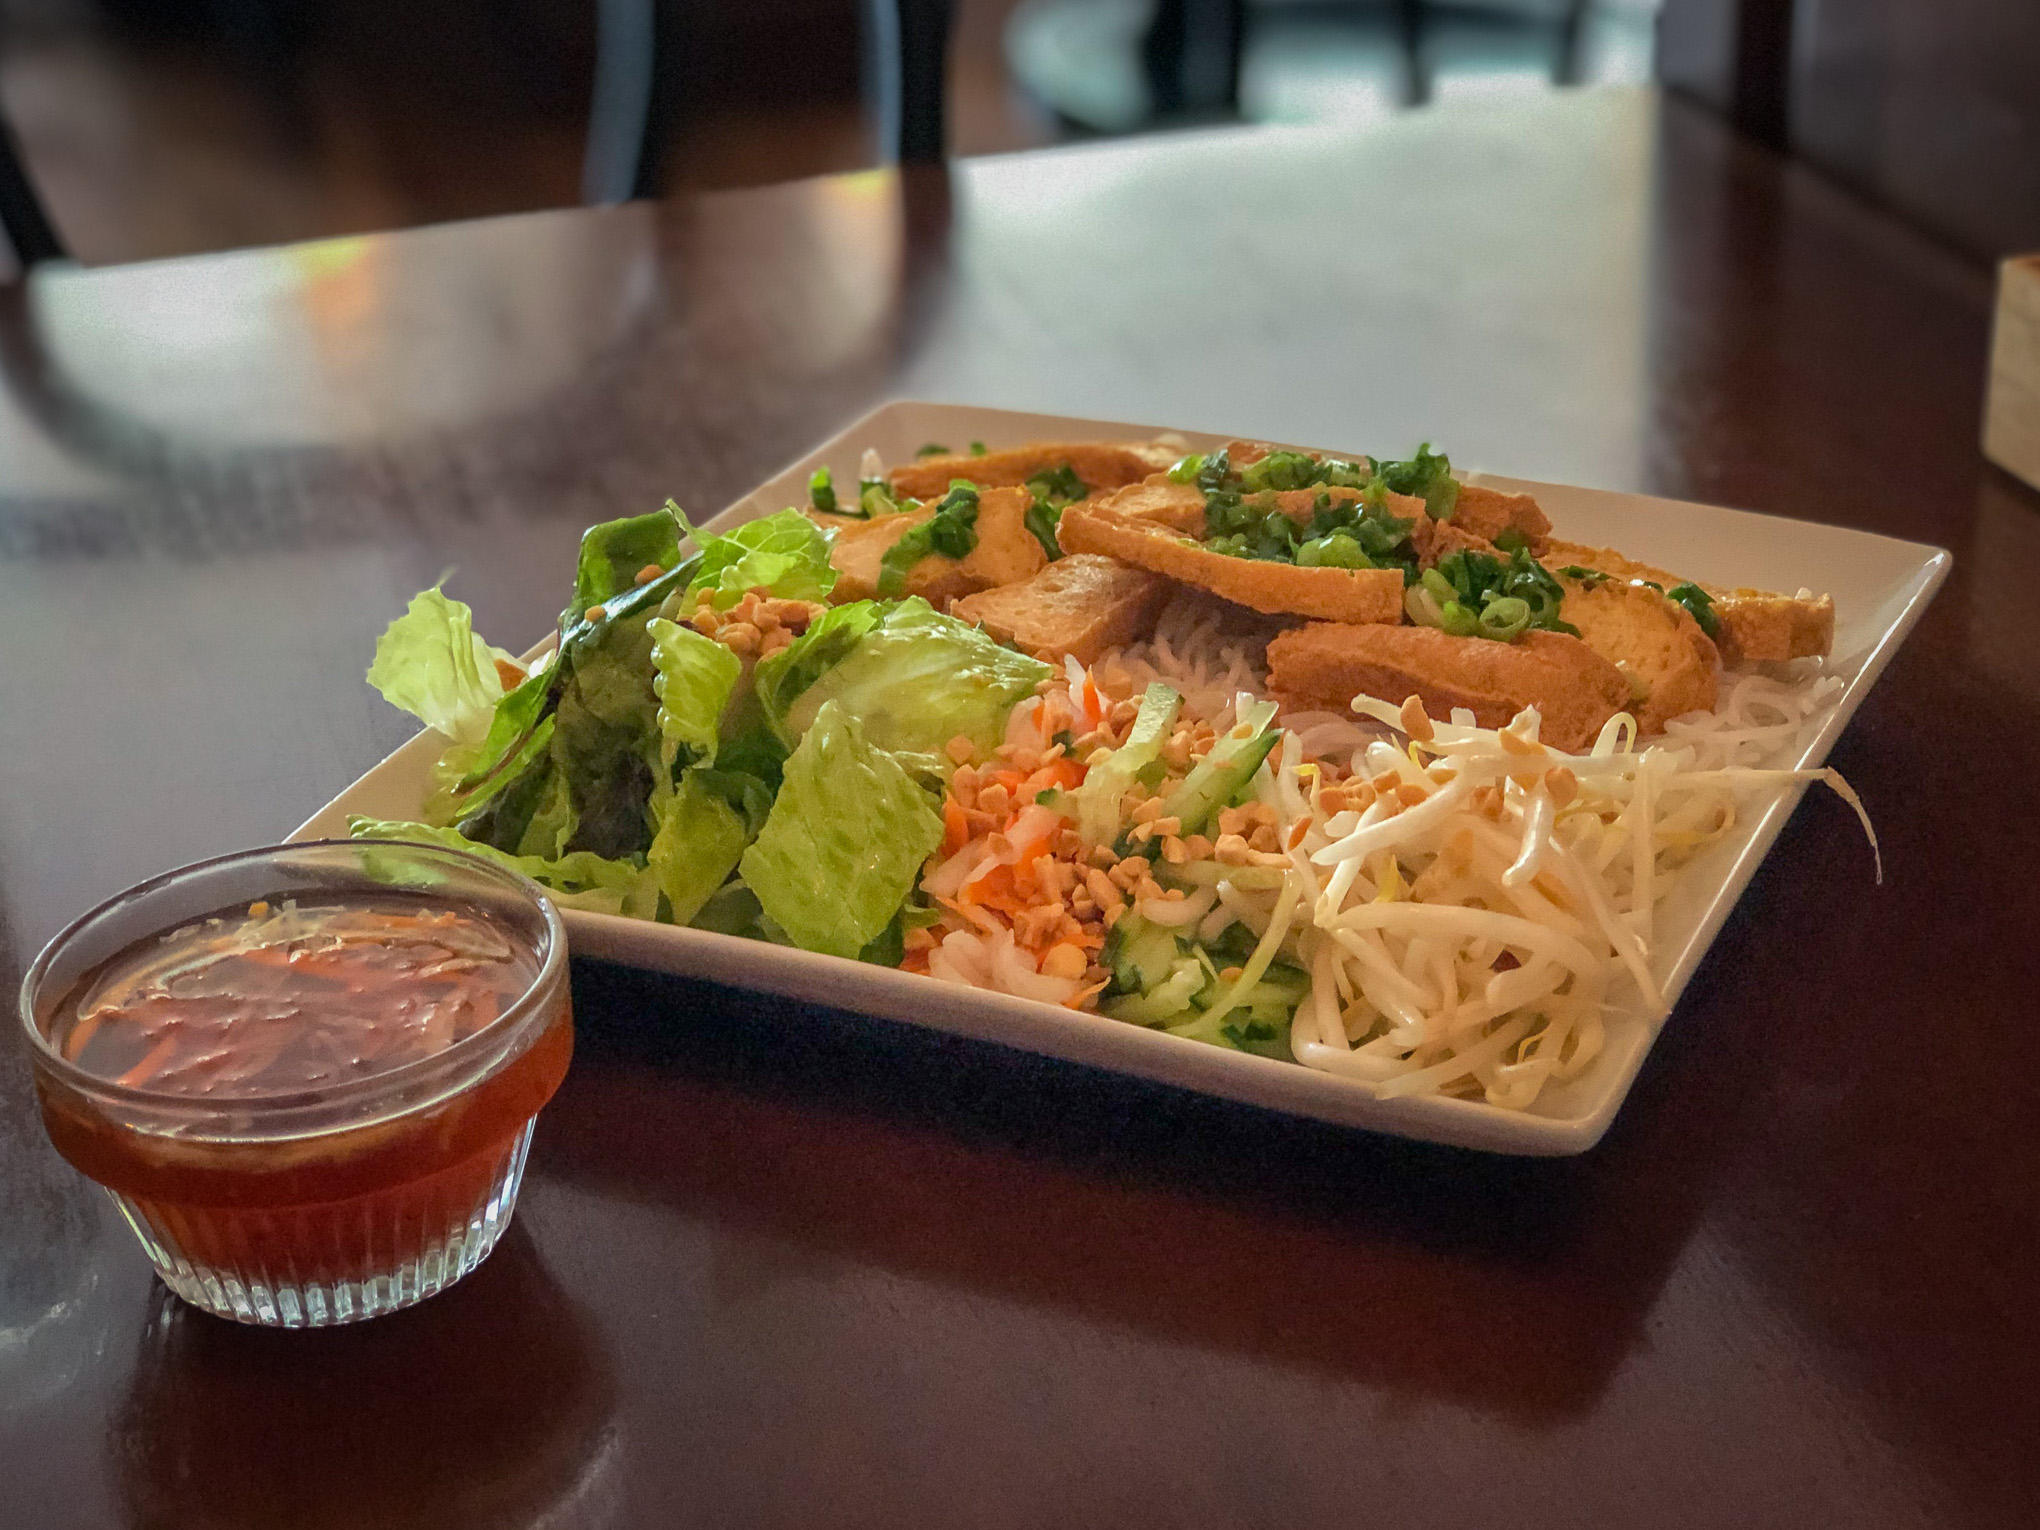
960	749
1416	722
1064	961
648	573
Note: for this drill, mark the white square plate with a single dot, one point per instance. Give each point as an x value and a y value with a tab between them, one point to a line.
1880	587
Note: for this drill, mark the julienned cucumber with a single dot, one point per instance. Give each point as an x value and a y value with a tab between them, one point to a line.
1224	773
1140	954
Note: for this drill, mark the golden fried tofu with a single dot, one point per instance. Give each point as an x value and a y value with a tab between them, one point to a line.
1098	525
1006	552
859	553
1101	465
1083	604
1301	504
1158	498
1487	513
1441	539
1756	625
1323	666
1671	665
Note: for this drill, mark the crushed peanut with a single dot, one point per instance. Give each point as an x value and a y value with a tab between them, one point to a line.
1064	961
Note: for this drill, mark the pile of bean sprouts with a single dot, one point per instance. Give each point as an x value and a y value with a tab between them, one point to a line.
1468	930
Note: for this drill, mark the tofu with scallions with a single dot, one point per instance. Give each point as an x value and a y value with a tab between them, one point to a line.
1749	625
1097	464
1001	551
1670	664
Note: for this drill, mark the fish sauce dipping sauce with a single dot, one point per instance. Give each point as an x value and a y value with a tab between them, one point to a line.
307	1075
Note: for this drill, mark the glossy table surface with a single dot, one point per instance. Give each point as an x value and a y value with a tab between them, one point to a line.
776	1266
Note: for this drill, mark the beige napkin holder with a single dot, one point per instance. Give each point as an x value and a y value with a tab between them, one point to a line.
2011	417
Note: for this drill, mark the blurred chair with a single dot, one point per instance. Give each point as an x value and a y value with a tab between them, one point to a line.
633	108
1176	85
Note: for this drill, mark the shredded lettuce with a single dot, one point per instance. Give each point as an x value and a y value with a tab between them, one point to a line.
579	880
786	553
845	840
913	678
695	677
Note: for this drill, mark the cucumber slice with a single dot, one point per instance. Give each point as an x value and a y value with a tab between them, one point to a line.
1097	800
1224	773
1141	955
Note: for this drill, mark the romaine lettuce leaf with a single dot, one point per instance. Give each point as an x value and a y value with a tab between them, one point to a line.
846	838
553	820
780	679
429	662
913	678
695	677
699	838
606	739
579	880
785	553
614	553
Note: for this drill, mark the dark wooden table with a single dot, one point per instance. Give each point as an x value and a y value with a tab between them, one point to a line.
777	1266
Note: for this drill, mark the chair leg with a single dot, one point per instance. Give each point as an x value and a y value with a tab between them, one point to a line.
621	130
1417	78
27	225
1163	52
920	113
1565	67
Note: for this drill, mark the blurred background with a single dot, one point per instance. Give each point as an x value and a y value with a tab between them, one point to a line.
158	127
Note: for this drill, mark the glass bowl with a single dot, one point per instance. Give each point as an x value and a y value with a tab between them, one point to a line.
328	1204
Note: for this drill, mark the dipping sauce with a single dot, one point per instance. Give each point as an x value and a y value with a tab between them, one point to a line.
273	1000
313	1108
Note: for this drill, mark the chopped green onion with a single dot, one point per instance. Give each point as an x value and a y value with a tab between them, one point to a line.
821	490
932	449
1504	617
1699	604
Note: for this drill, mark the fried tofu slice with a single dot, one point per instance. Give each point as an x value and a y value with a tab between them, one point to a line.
1671	665
1098	525
1757	626
1083	604
1323	666
1101	464
1006	552
1487	513
1161	500
859	553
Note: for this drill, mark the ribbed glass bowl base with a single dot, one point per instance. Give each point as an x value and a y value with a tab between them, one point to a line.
399	1249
